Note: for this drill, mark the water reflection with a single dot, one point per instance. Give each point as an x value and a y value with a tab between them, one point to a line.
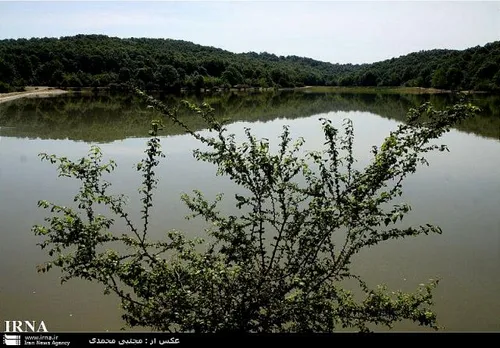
460	192
113	117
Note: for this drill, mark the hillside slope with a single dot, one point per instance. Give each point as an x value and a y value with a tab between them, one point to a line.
99	60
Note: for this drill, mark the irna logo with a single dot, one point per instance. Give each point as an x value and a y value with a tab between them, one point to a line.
25	326
12	340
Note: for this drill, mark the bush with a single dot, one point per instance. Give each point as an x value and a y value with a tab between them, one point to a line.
274	266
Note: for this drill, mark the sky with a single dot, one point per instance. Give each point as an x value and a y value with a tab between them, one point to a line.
332	31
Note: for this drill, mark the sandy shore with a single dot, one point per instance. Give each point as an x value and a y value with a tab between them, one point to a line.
31	92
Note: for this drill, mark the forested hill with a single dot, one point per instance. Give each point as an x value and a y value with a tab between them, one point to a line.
476	68
98	60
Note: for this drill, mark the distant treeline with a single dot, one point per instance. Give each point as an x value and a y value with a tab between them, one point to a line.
169	65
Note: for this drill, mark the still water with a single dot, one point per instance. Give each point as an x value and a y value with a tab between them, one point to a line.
459	191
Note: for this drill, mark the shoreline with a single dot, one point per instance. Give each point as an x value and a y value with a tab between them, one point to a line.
45	91
384	89
31	92
306	89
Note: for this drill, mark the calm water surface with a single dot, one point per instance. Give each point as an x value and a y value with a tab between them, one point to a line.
460	192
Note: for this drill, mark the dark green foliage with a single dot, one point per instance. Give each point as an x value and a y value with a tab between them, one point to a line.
151	62
168	78
470	69
279	264
439	79
7	71
4	87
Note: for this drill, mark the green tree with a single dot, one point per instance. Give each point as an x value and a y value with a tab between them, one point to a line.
279	264
168	77
347	80
368	79
25	68
439	79
57	78
496	80
7	71
195	82
45	72
145	75
454	77
487	70
71	80
124	75
232	75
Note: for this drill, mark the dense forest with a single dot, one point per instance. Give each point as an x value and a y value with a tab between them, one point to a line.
164	64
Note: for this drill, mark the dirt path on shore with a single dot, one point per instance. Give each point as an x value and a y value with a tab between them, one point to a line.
31	92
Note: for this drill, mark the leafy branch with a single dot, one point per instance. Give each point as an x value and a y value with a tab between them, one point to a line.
277	263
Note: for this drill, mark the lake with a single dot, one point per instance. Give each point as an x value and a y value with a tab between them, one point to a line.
459	191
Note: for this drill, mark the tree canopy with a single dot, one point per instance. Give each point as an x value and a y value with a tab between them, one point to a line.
102	61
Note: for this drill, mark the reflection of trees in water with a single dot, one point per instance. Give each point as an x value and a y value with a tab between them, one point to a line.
113	117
